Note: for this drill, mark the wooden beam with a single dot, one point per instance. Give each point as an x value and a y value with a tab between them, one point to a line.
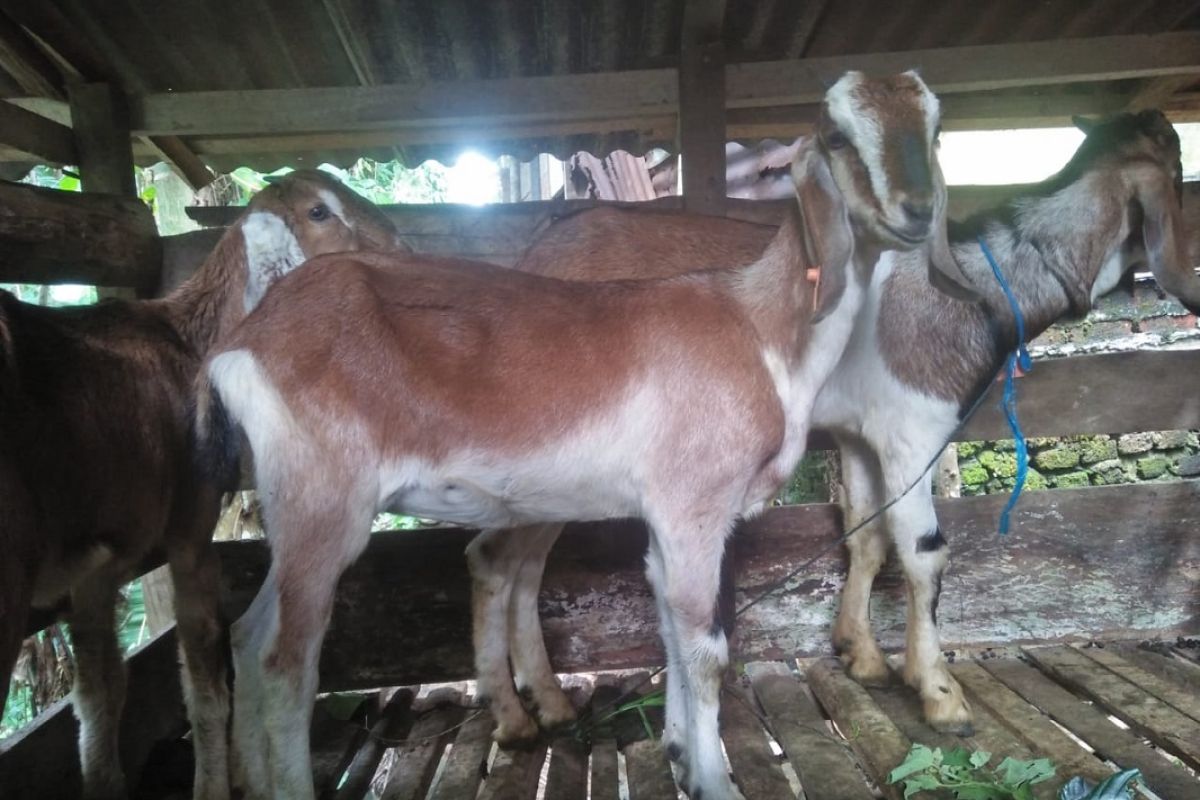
175	152
35	138
649	93
101	123
28	66
701	131
598	611
1156	92
48	236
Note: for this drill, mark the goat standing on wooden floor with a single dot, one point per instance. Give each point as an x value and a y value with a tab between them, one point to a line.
917	361
96	468
915	357
479	395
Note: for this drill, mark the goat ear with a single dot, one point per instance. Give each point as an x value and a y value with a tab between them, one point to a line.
945	273
1166	243
1083	123
824	226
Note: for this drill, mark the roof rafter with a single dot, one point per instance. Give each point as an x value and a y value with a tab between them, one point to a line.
598	98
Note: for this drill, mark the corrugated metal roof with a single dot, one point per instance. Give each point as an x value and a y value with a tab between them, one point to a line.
193	45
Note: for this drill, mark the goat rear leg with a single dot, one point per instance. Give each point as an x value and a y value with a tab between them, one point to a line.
98	696
195	574
924	553
853	638
494	558
530	661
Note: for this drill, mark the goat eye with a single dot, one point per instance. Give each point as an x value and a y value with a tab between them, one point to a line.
319	213
836	140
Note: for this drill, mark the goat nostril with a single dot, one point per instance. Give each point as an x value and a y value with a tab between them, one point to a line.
918	212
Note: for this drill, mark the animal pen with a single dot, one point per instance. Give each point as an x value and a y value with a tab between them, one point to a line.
1045	622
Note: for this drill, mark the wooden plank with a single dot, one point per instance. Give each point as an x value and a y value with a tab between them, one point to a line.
1182	698
334	742
100	120
43	761
1163	662
187	164
567	778
598	611
755	768
415	760
567	775
34	137
1062	393
467	760
823	764
48	236
605	783
1028	724
28	66
1168	728
648	772
876	740
392	724
1169	781
514	774
597	97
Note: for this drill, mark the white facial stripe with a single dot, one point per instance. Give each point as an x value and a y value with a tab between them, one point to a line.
861	127
335	205
271	252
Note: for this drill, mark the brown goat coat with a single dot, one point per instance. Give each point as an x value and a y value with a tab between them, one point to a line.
96	467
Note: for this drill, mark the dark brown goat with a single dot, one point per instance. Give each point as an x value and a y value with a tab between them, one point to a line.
96	468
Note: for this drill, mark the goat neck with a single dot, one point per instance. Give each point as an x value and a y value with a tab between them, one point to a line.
209	303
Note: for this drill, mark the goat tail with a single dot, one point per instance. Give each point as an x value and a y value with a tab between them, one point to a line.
216	438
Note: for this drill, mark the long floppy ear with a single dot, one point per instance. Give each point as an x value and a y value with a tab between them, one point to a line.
824	226
1166	243
945	274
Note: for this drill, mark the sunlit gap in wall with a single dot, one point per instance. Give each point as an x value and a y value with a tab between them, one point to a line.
1030	155
473	180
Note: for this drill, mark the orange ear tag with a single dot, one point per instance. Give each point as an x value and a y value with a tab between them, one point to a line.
1017	373
813	276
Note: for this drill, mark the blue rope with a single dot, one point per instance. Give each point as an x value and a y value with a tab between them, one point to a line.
1019	356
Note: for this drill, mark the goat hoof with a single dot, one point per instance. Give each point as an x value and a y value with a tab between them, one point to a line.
515	736
965	729
554	711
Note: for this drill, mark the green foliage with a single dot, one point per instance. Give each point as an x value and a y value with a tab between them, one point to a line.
586	729
966	776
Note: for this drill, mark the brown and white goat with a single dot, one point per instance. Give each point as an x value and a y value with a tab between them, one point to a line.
917	361
493	398
96	468
915	357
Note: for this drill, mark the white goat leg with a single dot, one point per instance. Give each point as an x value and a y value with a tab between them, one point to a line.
492	557
862	496
532	672
248	749
924	553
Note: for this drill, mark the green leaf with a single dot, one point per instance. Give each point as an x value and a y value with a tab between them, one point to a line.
1014	772
919	758
958	757
919	783
979	758
69	184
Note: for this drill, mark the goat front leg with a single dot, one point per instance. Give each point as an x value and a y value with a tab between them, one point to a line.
195	575
924	553
311	548
531	664
494	558
862	495
98	696
689	586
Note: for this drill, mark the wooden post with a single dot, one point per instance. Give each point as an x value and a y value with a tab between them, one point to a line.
100	120
701	134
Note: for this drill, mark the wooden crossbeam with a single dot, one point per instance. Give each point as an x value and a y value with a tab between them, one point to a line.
28	66
33	137
597	97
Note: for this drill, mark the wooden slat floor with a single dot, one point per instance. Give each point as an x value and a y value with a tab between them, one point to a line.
793	731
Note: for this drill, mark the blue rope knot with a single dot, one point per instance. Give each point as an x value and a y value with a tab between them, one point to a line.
1018	357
